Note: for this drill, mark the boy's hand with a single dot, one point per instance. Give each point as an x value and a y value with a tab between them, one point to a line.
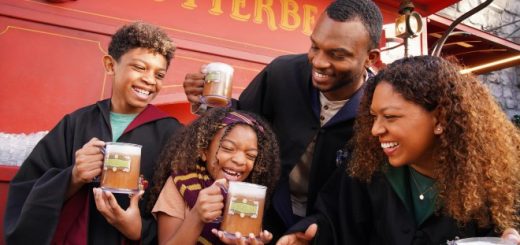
210	203
299	237
264	238
89	161
126	221
193	85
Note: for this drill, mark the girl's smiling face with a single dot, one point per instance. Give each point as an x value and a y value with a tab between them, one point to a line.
233	156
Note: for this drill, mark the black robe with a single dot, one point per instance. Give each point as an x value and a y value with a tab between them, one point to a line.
355	212
36	210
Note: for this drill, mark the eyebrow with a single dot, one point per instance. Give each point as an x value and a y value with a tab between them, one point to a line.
335	49
385	108
140	60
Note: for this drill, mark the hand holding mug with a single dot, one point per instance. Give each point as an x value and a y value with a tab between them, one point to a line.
210	203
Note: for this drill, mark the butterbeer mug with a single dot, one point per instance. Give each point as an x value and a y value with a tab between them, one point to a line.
121	167
217	85
244	209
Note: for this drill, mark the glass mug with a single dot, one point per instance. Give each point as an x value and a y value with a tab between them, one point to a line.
217	85
481	241
121	167
244	209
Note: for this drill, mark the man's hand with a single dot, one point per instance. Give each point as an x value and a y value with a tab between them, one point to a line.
126	221
299	237
193	85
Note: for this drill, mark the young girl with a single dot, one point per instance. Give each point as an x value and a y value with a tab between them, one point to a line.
222	145
435	159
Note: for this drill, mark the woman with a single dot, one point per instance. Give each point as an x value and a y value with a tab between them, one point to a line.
435	159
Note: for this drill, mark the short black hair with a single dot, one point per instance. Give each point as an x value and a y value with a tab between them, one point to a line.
365	10
141	35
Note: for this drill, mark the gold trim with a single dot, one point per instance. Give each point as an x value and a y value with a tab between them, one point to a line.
165	27
63	36
103	86
55	34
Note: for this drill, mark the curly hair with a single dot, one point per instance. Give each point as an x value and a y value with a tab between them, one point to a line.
141	35
182	153
364	10
478	155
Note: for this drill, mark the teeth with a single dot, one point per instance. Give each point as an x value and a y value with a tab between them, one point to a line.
319	75
142	91
389	145
230	172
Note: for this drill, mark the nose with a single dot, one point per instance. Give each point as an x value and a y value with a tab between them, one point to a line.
319	60
149	78
239	158
378	128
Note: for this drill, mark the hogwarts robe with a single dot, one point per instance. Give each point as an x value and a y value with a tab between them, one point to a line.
350	211
37	211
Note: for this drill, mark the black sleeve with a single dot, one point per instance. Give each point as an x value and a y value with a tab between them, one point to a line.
38	189
256	97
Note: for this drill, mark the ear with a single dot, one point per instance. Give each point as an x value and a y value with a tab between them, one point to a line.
203	156
374	56
109	64
438	127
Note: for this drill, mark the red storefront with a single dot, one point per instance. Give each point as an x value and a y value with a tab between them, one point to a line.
51	53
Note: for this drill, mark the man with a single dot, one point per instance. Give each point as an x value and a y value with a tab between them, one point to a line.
311	102
51	199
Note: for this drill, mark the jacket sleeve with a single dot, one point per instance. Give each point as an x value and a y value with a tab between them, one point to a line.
36	193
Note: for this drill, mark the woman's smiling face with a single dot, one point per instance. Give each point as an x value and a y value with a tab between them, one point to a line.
405	130
233	156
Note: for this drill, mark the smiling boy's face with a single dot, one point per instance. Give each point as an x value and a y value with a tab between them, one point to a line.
138	77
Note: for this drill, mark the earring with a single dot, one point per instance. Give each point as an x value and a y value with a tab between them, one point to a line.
438	130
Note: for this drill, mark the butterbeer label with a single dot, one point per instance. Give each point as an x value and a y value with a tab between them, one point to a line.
118	161
243	207
214	76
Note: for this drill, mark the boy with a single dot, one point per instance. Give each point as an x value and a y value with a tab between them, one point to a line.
51	200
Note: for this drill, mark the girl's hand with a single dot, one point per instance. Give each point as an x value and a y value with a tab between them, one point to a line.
126	221
265	237
299	237
512	235
210	202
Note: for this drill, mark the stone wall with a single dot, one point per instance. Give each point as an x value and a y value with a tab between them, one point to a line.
501	18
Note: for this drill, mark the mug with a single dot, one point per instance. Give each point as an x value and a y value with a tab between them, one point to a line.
217	85
244	209
121	167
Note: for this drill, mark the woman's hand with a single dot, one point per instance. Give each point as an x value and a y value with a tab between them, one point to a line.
299	237
265	237
512	235
126	221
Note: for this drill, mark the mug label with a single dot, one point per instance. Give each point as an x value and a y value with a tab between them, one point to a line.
118	161
243	207
214	76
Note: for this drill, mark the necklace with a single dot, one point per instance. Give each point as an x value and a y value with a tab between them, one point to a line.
421	194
